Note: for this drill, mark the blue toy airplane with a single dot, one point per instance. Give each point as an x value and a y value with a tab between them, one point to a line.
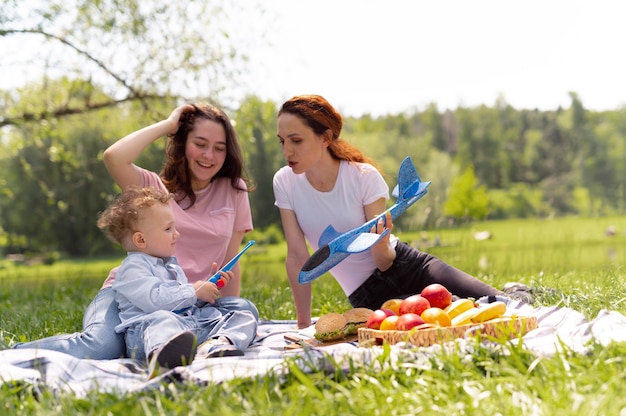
334	246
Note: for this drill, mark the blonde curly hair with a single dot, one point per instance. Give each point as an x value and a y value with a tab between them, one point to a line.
120	218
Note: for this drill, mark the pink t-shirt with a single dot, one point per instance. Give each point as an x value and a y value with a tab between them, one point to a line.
206	228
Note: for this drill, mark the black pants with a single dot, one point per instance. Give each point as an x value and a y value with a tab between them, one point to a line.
412	271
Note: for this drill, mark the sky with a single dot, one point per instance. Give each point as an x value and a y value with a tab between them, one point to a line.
385	57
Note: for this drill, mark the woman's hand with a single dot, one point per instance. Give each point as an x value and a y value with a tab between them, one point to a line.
382	252
174	118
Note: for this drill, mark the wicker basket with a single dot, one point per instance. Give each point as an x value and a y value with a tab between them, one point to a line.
509	327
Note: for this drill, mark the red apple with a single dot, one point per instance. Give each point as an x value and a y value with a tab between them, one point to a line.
376	317
414	304
408	321
437	295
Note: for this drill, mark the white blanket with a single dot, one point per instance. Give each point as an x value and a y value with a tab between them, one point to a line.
60	372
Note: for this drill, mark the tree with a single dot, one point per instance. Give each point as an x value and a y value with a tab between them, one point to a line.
55	182
256	128
466	199
99	65
131	50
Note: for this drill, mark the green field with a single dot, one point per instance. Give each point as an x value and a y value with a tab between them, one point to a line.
572	257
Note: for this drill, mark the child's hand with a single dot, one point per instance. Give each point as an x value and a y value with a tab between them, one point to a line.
225	277
206	291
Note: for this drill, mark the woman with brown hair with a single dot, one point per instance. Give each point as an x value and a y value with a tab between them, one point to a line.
204	171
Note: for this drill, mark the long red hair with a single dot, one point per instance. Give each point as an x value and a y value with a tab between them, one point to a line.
319	115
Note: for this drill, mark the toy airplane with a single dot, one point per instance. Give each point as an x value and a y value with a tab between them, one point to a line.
334	246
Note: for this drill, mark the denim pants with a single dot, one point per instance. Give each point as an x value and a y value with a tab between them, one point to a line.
98	339
207	322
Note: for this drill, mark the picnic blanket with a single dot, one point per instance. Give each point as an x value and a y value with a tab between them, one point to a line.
58	372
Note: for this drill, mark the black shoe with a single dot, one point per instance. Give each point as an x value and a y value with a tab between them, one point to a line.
178	350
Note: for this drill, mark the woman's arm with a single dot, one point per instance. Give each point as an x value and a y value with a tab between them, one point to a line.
233	288
297	255
382	252
119	158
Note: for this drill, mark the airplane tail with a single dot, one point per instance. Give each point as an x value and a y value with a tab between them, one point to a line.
409	189
409	180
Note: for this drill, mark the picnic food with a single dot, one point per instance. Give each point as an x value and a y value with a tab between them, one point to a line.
464	318
460	318
460	312
389	323
414	304
408	321
376	317
392	304
437	295
357	316
330	327
436	316
490	311
334	326
458	307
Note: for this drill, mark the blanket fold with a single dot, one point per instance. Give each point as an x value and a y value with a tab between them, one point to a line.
59	372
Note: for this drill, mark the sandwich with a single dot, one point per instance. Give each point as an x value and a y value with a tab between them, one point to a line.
335	326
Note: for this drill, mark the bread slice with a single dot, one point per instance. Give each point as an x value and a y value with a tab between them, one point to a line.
357	316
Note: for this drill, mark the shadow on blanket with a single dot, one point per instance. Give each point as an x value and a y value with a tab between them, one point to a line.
58	372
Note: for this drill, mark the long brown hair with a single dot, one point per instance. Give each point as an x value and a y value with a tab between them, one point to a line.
319	115
176	174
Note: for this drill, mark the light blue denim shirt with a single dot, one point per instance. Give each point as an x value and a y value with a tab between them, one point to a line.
145	284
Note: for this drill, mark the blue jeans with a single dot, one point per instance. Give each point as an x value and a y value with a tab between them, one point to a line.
207	322
98	339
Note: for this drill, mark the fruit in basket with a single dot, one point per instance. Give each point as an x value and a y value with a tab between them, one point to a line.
377	317
465	318
458	307
414	304
437	295
436	316
389	323
392	304
408	321
490	311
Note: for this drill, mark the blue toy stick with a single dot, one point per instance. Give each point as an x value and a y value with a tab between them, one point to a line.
230	264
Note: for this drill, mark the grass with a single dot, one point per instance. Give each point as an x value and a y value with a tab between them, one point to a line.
571	256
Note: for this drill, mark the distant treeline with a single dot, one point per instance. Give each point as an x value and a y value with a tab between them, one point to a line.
484	162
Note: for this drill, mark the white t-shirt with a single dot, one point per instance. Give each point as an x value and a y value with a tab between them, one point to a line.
358	184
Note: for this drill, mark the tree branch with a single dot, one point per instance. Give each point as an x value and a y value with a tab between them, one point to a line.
80	51
66	111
